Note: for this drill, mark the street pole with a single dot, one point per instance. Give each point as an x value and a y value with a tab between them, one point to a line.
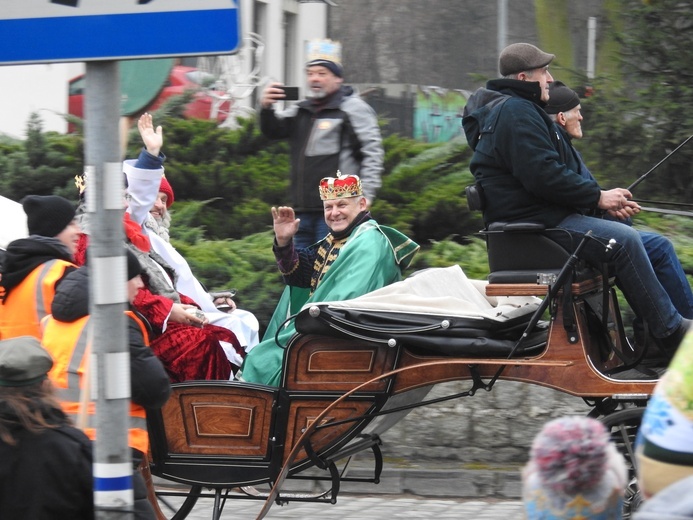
591	46
110	362
502	25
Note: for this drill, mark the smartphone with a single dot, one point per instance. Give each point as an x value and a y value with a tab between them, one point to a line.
291	93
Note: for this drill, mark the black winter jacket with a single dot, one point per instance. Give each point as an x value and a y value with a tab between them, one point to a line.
341	133
519	158
46	476
26	254
149	381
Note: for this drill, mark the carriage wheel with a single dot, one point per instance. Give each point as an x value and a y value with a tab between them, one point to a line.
623	426
166	505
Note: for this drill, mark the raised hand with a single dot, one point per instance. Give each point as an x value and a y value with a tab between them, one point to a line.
153	139
285	224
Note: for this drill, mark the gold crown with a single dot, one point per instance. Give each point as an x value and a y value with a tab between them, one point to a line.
324	50
81	182
340	187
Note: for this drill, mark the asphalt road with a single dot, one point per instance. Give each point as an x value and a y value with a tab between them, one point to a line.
376	507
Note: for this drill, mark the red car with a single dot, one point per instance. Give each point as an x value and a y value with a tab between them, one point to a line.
180	79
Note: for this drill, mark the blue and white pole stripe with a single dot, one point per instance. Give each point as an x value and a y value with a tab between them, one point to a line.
113	486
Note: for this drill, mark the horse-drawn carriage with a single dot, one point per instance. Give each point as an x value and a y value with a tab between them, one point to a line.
356	368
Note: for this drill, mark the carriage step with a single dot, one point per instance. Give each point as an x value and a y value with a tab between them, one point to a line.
288	496
640	373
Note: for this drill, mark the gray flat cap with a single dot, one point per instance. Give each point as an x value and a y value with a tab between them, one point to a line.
520	57
23	361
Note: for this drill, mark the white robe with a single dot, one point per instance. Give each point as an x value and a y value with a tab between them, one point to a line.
143	188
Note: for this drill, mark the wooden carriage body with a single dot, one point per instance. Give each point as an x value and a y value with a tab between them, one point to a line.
346	381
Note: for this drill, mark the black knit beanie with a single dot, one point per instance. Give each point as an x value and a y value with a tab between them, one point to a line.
134	267
561	98
334	68
47	216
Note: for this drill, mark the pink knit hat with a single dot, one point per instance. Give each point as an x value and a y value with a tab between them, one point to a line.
574	472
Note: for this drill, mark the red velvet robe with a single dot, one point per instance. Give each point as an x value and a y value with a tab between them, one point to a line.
187	352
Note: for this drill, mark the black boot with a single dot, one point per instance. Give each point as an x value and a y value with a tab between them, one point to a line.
647	346
671	342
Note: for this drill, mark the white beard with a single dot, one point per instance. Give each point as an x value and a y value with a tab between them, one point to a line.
316	94
159	225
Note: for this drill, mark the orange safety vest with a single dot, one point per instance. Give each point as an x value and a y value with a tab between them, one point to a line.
68	344
29	302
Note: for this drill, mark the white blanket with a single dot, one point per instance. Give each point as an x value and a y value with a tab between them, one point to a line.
444	291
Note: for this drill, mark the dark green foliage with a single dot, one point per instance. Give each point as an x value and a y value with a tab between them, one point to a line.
35	143
238	172
471	256
631	129
424	196
44	164
398	149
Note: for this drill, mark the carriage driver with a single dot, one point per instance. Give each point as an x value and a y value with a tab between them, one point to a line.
521	167
564	109
356	257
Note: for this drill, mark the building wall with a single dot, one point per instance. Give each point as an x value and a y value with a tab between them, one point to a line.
451	44
34	88
284	27
447	43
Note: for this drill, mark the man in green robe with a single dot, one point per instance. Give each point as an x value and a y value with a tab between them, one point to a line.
357	256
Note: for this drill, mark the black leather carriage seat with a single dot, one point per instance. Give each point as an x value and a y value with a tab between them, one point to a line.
526	253
523	252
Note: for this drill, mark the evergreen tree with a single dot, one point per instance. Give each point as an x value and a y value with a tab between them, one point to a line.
35	143
631	129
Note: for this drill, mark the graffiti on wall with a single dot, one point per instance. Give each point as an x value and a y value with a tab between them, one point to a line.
438	113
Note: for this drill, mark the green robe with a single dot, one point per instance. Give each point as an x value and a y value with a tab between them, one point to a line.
372	257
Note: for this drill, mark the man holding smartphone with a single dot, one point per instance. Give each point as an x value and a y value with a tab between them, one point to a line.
331	129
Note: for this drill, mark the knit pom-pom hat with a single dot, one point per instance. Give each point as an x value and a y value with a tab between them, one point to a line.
574	472
570	454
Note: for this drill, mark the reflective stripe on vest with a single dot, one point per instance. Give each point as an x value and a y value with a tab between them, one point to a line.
29	302
68	344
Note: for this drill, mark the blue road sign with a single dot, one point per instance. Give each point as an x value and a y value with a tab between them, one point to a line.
46	31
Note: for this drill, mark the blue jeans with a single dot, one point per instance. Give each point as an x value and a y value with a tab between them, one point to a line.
669	271
634	272
311	230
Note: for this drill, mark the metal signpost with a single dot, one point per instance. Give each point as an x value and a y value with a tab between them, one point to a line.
48	31
101	32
